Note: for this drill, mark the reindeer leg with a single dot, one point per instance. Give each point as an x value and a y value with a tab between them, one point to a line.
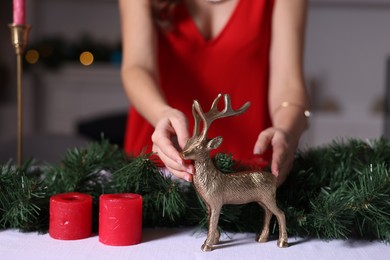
282	241
213	234
215	237
267	218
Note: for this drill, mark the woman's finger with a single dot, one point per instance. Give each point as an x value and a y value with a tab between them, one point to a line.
179	170
180	128
263	141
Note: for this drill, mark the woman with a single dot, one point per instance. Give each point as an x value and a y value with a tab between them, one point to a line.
175	51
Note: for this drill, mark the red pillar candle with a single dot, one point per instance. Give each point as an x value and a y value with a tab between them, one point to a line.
19	11
120	219
70	216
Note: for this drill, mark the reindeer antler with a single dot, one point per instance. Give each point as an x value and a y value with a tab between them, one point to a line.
214	113
197	120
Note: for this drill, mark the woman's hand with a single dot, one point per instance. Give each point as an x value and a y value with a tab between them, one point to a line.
283	145
169	137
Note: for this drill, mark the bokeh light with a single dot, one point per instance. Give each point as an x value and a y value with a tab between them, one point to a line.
32	56
86	58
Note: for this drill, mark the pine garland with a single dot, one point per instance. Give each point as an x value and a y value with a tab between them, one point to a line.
337	191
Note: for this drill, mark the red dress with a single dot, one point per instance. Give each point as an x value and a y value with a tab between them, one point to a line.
235	62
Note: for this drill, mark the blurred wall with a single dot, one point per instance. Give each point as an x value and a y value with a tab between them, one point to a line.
347	47
7	57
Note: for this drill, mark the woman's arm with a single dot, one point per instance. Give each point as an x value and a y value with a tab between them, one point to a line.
140	79
139	71
286	85
286	73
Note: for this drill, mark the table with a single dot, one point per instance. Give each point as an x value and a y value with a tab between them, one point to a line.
185	243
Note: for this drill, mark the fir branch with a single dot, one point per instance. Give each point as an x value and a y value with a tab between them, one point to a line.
19	198
85	170
370	199
330	218
171	201
140	175
335	191
224	163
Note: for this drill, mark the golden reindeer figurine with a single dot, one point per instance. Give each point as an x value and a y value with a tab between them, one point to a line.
217	189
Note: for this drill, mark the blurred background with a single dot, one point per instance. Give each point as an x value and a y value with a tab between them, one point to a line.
73	93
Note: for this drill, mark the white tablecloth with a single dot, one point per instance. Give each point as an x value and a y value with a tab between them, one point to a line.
185	244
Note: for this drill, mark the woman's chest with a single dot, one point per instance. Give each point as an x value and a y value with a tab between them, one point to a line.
210	19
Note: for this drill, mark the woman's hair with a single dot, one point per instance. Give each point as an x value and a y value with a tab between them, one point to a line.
162	12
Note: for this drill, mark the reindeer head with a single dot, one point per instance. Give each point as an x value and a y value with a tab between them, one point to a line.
198	145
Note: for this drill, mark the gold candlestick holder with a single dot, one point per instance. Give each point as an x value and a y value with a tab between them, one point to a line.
19	39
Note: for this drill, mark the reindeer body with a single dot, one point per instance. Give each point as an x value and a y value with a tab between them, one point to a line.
217	189
213	184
